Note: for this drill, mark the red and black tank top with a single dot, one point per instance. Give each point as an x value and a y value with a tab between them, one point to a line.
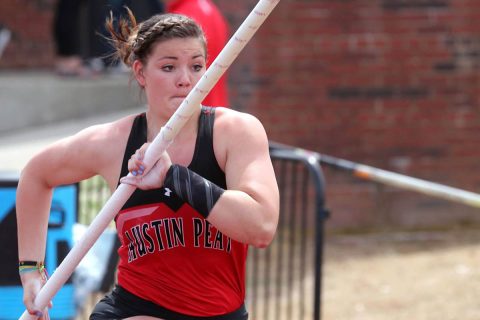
169	253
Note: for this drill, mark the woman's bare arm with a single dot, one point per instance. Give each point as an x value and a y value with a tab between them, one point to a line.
248	211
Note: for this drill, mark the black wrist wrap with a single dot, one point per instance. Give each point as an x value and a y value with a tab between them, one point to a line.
192	188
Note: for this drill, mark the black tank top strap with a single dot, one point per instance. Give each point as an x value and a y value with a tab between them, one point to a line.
137	137
204	161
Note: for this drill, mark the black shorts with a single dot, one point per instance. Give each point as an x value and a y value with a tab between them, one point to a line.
120	304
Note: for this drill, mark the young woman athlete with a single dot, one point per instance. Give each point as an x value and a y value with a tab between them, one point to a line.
184	232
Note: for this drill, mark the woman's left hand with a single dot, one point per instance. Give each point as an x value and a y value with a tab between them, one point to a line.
143	178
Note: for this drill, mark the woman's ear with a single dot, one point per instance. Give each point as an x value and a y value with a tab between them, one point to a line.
138	72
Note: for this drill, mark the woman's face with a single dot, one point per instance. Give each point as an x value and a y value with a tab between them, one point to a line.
172	70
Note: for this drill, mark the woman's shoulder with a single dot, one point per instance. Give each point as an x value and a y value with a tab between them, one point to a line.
233	128
106	144
109	130
103	139
230	119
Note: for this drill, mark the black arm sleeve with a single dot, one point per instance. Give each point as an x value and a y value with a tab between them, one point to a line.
192	188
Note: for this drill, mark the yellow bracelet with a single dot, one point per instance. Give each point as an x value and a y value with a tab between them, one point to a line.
28	266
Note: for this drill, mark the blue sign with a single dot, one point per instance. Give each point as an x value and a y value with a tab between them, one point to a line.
63	215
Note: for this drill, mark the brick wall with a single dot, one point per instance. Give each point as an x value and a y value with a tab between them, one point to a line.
393	84
389	83
30	21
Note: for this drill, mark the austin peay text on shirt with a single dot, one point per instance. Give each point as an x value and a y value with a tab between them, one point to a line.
169	233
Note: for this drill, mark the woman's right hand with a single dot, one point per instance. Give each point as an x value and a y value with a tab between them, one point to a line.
32	282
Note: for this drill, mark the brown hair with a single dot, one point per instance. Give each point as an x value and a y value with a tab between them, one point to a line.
134	41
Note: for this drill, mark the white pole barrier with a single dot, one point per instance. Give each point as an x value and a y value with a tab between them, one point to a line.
191	103
419	185
398	180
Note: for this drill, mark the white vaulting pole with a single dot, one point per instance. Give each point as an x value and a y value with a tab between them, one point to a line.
191	103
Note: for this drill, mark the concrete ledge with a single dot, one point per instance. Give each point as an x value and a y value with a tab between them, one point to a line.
31	99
